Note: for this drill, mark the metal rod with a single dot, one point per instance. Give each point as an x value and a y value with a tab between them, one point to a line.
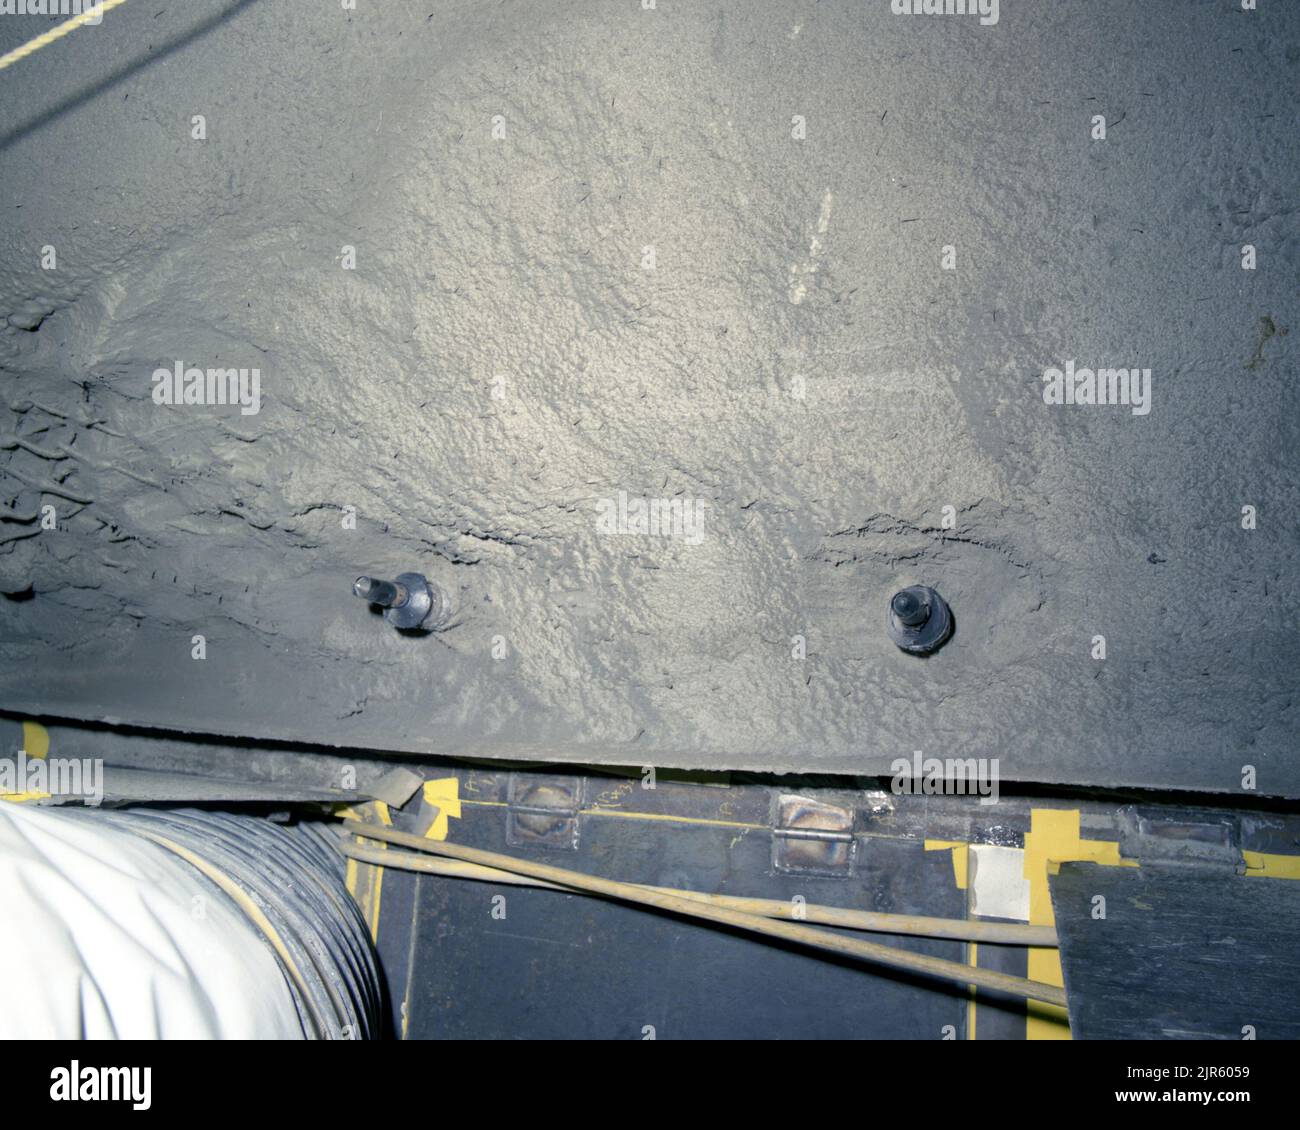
387	593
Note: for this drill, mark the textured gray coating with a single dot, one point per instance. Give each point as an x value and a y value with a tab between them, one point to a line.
797	359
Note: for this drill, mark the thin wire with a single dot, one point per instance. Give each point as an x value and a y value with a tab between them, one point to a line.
915	925
950	971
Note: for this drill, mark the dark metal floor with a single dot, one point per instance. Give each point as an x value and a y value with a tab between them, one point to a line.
470	959
473	959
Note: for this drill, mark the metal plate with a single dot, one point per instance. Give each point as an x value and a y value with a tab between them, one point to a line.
798	362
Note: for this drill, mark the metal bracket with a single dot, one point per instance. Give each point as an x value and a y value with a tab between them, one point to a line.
1179	837
811	837
542	811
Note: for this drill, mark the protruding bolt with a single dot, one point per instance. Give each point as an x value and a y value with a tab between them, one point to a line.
910	608
410	602
380	592
919	619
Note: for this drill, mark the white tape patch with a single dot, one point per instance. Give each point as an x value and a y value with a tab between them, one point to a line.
998	885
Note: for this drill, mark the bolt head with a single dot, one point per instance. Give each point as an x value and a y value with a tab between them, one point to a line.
909	608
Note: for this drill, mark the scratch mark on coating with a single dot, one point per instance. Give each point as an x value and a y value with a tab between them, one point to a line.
799	272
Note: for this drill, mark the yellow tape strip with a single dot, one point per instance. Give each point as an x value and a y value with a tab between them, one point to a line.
36	744
36	739
444	795
973	955
1263	865
1054	839
960	858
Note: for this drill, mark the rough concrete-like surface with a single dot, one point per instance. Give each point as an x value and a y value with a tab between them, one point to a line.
501	361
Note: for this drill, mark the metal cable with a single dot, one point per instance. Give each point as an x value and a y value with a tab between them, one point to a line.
290	884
